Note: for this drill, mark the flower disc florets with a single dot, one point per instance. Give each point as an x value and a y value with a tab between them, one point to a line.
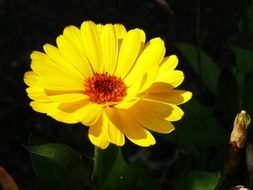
104	88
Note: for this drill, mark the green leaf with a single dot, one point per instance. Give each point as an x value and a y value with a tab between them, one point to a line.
59	167
227	95
136	176
114	173
244	59
117	171
201	63
110	165
198	127
199	180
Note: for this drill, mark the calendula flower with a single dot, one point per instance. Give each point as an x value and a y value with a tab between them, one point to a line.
109	79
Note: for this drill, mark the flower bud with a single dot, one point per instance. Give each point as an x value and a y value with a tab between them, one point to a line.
237	140
239	187
6	181
239	133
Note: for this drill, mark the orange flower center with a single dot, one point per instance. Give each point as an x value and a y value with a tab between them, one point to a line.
103	88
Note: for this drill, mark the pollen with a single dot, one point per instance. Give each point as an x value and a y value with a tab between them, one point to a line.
104	88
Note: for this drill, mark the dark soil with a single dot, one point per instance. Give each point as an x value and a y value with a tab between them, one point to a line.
27	24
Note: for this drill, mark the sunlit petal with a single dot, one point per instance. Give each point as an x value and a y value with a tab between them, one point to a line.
132	129
97	133
92	45
129	50
109	46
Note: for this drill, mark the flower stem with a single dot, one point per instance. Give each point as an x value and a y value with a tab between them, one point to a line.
96	167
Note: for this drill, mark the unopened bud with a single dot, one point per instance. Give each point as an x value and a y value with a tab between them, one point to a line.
239	187
239	133
237	140
6	181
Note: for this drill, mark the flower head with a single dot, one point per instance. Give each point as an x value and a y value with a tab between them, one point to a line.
109	79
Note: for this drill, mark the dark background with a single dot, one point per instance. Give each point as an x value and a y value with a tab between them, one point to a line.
26	25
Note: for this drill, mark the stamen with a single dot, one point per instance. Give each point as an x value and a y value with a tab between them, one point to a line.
104	88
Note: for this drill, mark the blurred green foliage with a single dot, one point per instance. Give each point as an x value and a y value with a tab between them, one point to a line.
201	63
199	180
231	86
199	127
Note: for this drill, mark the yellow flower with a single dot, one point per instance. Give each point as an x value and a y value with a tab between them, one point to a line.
110	80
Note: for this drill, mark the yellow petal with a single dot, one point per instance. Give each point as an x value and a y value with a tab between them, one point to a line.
64	117
73	34
59	92
149	78
67	97
52	110
79	111
74	106
109	46
42	65
97	134
176	114
37	93
129	50
159	87
120	30
142	83
40	94
114	133
132	129
146	76
160	110
44	107
29	78
58	58
99	27
89	114
74	56
176	97
150	57
135	88
174	78
92	45
169	63
150	120
56	83
126	104
67	111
